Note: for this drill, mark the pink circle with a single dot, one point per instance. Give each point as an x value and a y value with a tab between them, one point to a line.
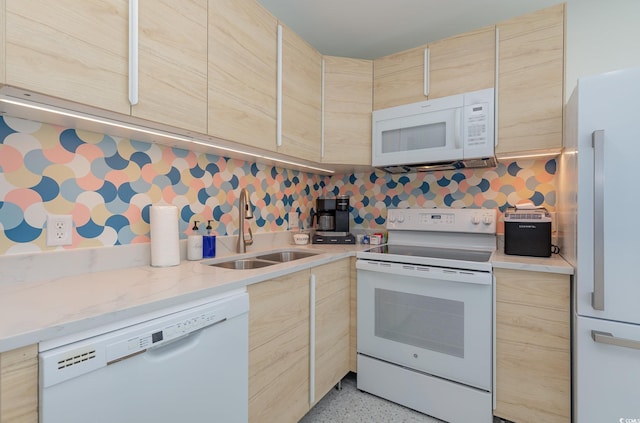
10	158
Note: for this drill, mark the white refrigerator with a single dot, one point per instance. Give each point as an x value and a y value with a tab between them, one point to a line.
599	215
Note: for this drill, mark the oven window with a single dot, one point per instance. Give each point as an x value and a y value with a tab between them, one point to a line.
425	322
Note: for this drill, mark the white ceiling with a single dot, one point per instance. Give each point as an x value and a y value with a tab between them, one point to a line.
368	29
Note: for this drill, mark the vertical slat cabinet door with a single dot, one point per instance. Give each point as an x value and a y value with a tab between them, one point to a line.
2	31
533	346
75	50
531	81
332	325
301	98
19	385
463	63
347	110
279	329
399	78
242	73
173	63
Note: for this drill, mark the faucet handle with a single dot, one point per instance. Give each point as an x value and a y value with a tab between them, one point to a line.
250	240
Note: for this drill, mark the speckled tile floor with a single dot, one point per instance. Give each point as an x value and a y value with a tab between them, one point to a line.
354	406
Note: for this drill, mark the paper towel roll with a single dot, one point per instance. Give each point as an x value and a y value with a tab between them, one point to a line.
165	241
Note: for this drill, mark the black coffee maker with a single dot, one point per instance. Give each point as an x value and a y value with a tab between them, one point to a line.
332	221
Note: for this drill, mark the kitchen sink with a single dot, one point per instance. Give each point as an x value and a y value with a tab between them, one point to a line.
243	264
284	256
262	260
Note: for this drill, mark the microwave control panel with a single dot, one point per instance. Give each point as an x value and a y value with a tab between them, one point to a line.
476	124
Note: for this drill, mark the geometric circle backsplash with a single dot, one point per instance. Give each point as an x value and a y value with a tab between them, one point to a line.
107	185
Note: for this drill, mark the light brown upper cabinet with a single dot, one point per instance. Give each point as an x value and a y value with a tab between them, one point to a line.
242	73
458	64
301	98
75	50
347	110
399	78
172	75
531	72
79	51
463	63
2	27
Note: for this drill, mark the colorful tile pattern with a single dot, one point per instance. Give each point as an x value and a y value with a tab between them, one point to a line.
107	184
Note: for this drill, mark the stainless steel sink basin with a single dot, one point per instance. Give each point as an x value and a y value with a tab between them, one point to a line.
284	256
242	264
262	260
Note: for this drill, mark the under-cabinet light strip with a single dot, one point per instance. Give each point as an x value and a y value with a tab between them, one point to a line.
147	131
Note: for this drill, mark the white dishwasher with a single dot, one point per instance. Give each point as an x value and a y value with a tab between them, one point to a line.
188	364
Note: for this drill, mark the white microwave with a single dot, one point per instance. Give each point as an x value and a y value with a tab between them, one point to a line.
441	134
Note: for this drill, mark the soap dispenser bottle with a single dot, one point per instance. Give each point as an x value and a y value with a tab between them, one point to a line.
194	243
208	243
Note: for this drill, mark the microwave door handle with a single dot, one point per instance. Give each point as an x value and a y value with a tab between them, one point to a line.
458	129
597	298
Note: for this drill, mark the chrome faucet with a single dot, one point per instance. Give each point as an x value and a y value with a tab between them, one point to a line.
245	211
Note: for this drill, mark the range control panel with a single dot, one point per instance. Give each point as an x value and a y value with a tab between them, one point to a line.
443	220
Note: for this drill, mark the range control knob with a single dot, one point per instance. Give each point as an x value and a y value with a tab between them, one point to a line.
392	218
400	218
475	219
488	220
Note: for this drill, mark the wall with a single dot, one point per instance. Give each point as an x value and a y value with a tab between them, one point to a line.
107	185
601	36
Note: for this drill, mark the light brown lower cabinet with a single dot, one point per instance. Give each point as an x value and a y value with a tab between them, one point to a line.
533	351
19	385
332	325
280	343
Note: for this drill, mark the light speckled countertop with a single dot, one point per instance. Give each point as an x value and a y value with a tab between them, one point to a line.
46	296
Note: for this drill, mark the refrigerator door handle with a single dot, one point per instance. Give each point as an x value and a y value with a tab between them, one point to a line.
608	338
597	299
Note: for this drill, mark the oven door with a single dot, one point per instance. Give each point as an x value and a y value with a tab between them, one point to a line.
430	319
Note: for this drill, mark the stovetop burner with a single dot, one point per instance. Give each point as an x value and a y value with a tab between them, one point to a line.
432	252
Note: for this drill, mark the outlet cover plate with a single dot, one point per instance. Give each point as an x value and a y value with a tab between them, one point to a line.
59	229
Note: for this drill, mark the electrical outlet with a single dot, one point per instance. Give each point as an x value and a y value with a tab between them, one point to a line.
59	228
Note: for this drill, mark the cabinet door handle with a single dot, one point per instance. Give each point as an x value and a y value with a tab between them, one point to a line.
279	89
608	338
597	298
312	338
427	60
133	52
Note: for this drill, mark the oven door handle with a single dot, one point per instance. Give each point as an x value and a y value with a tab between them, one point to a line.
426	272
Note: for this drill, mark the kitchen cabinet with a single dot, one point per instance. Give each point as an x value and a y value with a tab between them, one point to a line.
172	57
301	98
2	27
399	78
68	49
280	344
347	110
533	357
332	324
531	81
463	63
78	51
279	348
457	64
19	385
242	73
